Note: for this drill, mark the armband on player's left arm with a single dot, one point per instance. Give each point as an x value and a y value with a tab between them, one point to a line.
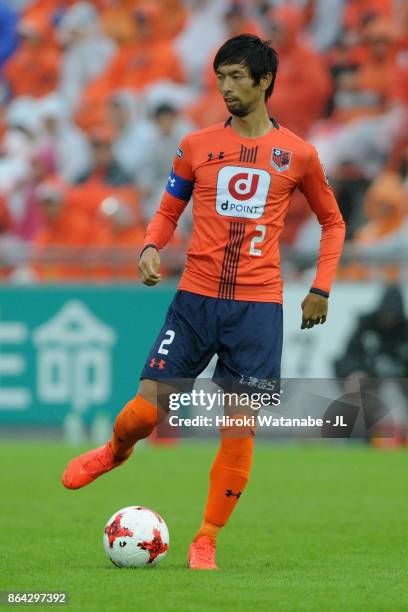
320	197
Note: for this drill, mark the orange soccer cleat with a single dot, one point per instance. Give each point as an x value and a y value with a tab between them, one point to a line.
202	554
87	467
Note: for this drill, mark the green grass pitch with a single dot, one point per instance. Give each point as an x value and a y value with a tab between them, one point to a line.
319	528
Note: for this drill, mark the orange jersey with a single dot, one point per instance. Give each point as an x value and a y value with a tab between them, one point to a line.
241	189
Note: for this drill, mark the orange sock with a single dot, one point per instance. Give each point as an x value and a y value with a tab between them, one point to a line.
135	422
228	478
209	530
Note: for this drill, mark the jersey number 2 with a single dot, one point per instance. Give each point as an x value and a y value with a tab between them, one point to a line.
256	239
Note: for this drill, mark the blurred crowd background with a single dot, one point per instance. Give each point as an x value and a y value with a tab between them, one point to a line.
95	97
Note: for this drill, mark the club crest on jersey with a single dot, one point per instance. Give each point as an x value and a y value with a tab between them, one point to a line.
281	159
179	152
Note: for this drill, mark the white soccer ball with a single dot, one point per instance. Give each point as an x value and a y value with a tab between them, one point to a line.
136	536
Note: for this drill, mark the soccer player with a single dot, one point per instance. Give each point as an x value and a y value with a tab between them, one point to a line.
241	174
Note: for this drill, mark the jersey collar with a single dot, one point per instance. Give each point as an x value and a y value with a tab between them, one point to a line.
274	122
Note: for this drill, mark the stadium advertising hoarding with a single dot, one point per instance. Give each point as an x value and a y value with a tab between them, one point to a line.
77	349
74	349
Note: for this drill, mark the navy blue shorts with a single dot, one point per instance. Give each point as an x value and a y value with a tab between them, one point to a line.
246	337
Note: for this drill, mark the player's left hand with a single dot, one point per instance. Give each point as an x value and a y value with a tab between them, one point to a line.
314	308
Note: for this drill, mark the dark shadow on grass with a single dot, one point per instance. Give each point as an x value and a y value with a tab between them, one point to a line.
160	568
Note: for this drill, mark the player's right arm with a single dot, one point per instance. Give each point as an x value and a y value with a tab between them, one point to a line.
161	228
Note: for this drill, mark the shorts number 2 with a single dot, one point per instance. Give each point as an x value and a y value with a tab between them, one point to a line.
170	337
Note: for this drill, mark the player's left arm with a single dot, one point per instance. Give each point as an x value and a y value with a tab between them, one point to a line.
319	195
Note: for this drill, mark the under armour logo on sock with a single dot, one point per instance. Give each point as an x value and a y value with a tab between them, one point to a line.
230	493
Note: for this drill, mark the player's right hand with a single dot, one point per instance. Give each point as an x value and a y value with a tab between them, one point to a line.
149	266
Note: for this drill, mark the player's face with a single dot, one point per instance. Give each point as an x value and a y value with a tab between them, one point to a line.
237	87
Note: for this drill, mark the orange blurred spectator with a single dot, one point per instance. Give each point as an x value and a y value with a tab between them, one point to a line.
174	17
385	232
365	88
145	60
64	226
359	12
117	22
376	73
34	68
303	85
386	208
117	17
75	239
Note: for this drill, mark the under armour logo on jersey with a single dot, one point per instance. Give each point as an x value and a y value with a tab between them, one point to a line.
230	493
210	156
248	154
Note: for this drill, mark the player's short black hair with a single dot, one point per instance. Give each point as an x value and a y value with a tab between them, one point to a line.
256	54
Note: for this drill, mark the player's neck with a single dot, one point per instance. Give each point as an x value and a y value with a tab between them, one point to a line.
254	125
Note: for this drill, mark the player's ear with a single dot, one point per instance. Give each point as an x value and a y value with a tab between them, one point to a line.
265	81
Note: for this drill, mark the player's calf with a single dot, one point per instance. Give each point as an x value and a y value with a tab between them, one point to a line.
136	421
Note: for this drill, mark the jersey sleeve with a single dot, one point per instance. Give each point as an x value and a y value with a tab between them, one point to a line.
175	198
316	188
